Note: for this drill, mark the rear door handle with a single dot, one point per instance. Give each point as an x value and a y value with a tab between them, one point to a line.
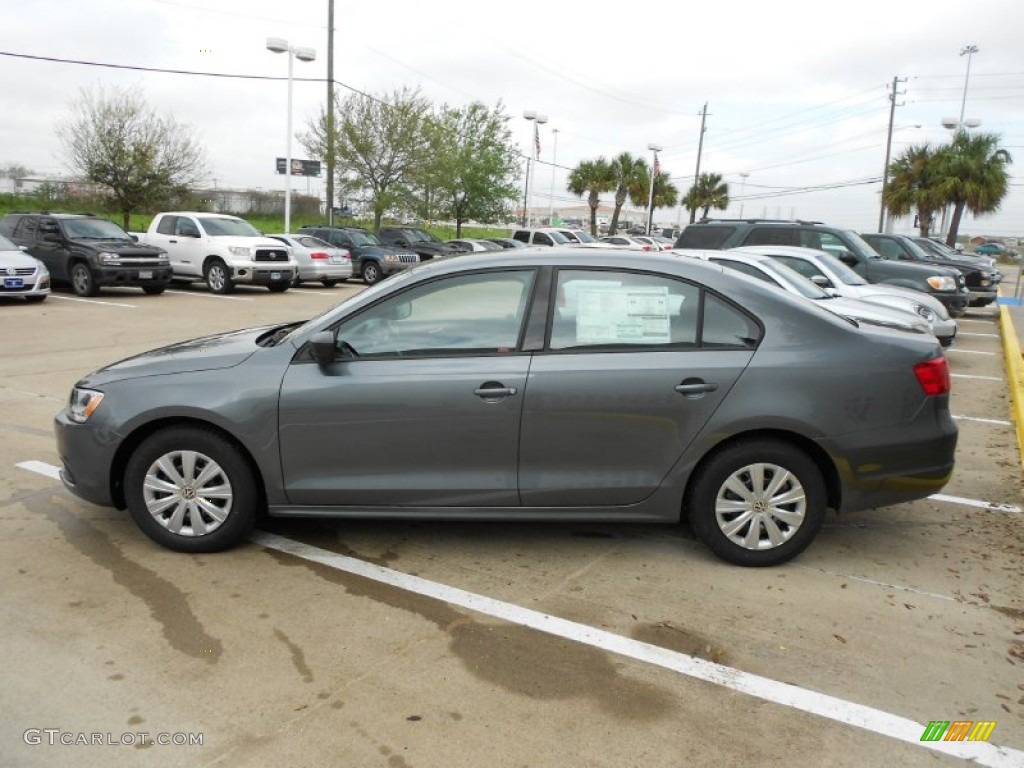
494	391
696	387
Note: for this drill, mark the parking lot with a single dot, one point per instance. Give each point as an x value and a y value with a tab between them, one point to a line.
414	644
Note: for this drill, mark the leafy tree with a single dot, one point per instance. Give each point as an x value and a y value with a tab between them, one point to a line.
665	193
380	142
973	175
591	178
626	170
117	141
912	184
471	166
709	192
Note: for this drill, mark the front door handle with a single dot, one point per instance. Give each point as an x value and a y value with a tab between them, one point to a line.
695	387
494	390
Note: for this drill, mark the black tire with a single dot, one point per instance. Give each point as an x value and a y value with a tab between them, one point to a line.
153	290
371	273
213	454
35	299
329	283
278	287
218	277
801	480
83	283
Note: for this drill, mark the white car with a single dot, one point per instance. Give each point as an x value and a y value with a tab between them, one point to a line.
831	274
629	243
318	261
767	269
475	245
21	274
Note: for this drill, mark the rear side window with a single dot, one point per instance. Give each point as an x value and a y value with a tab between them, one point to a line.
521	236
167	225
704	237
771	236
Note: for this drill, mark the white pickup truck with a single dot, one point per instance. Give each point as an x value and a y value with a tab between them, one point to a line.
222	251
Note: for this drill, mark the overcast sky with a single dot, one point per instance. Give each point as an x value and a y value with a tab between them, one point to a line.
796	91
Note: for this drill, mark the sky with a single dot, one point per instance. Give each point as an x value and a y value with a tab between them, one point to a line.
796	94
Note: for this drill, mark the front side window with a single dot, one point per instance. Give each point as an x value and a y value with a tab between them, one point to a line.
474	314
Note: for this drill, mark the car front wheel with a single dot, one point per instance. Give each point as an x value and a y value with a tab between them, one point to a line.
82	281
371	273
191	490
218	278
757	502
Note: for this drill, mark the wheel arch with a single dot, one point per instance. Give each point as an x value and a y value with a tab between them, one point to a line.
817	454
140	434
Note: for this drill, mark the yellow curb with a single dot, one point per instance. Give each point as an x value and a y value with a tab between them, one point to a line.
1015	374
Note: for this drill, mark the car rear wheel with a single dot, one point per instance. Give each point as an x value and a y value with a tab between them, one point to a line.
191	490
371	273
82	281
757	502
217	277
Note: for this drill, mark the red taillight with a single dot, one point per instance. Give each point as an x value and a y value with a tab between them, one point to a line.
933	376
318	255
346	255
647	247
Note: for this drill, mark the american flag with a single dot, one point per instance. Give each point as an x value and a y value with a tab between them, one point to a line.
657	167
536	139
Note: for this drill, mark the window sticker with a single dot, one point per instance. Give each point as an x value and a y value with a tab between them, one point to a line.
622	315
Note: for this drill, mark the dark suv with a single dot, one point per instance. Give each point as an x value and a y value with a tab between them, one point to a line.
371	260
981	280
944	283
88	251
428	246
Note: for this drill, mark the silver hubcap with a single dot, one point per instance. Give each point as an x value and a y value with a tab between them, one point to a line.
216	278
760	506
81	280
187	493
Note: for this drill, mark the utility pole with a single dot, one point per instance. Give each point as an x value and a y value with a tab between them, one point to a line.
700	149
888	148
330	113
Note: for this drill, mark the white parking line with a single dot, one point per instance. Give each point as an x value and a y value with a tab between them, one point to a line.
876	583
815	703
981	335
93	301
975	503
968	351
211	296
970	376
1000	422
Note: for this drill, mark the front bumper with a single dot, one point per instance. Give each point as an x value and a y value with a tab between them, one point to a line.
33	285
263	272
86	456
134	275
955	303
982	297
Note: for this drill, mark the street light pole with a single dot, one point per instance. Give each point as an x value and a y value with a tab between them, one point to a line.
537	121
743	189
969	51
655	149
554	159
278	45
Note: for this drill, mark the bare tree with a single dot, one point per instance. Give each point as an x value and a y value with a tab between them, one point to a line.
119	142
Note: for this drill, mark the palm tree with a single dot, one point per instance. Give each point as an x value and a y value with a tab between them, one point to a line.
626	170
973	176
912	184
709	192
591	178
666	195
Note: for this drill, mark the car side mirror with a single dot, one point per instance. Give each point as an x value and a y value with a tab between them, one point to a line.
323	347
135	238
821	281
848	258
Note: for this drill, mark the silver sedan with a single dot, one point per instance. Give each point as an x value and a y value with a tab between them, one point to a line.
318	261
22	275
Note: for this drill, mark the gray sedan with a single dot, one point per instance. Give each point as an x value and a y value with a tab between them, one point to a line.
571	384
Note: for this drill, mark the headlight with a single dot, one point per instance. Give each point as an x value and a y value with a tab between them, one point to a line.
162	259
391	257
106	257
82	404
925	312
240	250
942	283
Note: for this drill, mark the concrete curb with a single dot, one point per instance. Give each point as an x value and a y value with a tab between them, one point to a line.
1014	371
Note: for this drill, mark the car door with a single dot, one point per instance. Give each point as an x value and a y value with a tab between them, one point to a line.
50	246
634	366
423	406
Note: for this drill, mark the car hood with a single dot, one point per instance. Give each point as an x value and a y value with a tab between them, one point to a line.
874	314
248	242
120	247
18	259
223	350
380	250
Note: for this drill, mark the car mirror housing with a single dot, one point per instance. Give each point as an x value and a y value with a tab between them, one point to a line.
323	347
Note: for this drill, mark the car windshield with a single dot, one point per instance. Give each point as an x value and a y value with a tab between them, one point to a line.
860	246
228	227
93	229
312	242
558	237
792	278
420	236
584	237
843	272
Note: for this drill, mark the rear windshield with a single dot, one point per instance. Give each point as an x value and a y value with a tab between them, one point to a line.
704	237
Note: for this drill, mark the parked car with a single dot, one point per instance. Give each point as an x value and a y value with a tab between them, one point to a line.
981	281
426	244
826	271
990	249
655	244
938	248
944	283
777	274
546	236
22	275
87	252
676	389
220	250
318	261
507	242
629	242
372	260
474	245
